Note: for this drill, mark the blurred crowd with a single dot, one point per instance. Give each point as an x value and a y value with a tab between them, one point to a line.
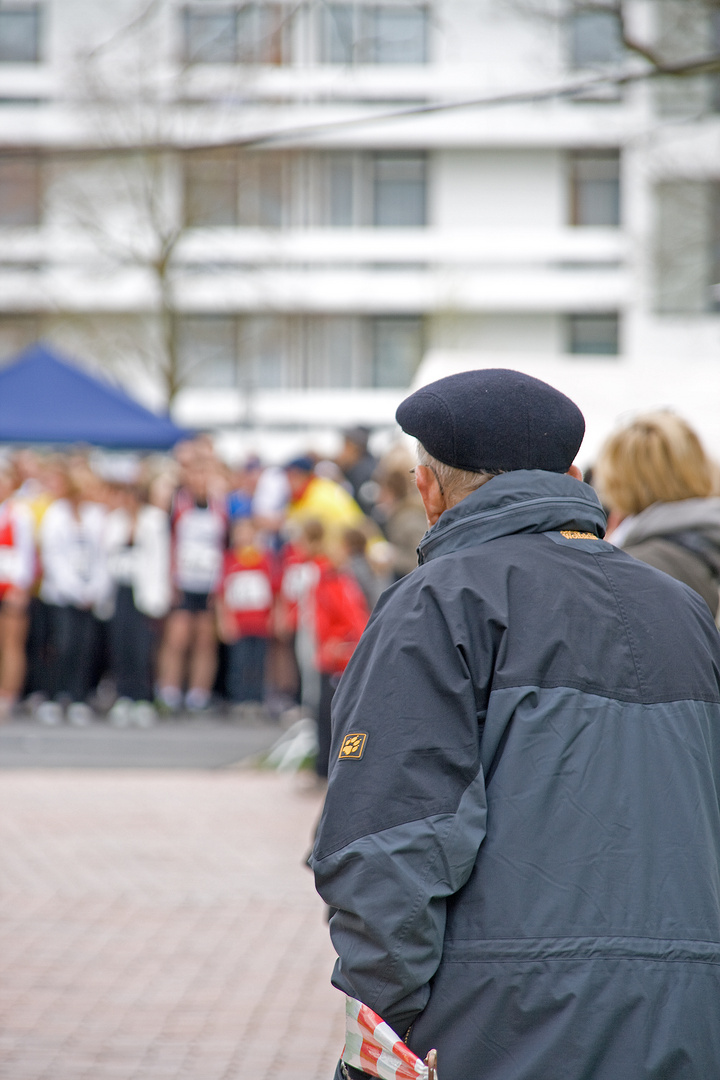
192	584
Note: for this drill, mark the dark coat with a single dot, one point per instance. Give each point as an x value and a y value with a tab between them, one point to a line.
680	538
524	851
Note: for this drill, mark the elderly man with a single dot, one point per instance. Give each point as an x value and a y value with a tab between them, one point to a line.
521	838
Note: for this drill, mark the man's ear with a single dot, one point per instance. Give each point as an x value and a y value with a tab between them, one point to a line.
430	493
574	471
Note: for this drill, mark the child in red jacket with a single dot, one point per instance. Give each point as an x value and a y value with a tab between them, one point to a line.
245	602
341	614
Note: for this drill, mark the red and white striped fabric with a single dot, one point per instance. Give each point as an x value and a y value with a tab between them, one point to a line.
372	1046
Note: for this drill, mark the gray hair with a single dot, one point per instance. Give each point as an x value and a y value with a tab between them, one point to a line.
455	484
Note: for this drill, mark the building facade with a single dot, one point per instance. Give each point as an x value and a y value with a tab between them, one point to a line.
286	213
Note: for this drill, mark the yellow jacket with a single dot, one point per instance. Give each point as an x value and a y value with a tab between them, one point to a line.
327	502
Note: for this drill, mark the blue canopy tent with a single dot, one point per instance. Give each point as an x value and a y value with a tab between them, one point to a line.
46	399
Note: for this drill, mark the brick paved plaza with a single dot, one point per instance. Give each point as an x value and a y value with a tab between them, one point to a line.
162	924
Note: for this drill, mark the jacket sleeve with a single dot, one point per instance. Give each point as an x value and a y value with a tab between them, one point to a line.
340	617
25	546
62	583
152	587
405	810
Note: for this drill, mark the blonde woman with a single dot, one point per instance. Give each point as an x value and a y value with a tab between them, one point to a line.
661	490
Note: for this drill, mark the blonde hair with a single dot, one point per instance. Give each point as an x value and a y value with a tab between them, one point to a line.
656	458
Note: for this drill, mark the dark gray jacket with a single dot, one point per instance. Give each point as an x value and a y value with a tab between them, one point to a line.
524	848
682	539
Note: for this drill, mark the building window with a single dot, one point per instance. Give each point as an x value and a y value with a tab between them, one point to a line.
338	34
226	351
381	190
357	33
593	335
207	351
685	256
594	178
236	189
20	192
399	191
263	202
595	38
341	184
270	190
683	31
210	37
221	33
20	34
354	351
714	80
261	352
397	351
211	189
397	35
264	352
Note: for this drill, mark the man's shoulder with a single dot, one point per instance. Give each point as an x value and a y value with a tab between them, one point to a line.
430	587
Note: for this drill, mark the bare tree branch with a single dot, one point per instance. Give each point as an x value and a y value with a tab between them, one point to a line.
700	65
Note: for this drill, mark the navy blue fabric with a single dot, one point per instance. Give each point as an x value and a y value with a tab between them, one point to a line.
526	859
494	419
45	399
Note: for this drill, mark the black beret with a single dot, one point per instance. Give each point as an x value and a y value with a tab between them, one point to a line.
494	419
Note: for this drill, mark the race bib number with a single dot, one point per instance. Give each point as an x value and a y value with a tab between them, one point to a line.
9	565
298	579
248	591
198	564
199	551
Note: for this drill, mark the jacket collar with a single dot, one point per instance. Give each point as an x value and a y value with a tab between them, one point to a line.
665	519
528	500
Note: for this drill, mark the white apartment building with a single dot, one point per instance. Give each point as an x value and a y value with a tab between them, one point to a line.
259	206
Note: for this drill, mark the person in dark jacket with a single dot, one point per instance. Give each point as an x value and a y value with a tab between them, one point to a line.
358	466
521	835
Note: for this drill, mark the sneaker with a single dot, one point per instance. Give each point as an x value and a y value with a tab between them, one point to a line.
168	700
79	714
50	713
143	715
120	713
197	700
32	702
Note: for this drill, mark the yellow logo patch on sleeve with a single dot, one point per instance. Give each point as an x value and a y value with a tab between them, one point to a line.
353	746
570	534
